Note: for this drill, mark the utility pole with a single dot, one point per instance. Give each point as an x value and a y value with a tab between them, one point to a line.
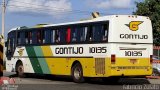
3	27
3	18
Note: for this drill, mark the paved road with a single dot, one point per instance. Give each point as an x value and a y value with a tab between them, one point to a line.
41	82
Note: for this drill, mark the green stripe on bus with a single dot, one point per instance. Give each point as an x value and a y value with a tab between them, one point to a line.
34	61
42	61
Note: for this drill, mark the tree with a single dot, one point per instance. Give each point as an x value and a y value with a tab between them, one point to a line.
151	8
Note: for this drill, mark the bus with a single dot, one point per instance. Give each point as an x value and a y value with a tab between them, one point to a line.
105	47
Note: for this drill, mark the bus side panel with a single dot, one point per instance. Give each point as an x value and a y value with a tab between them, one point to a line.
91	68
22	55
98	67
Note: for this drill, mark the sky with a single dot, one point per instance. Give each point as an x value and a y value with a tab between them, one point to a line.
31	12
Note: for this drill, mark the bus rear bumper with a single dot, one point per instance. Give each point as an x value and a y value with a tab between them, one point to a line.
136	71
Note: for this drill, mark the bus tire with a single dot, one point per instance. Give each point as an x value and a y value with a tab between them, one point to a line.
20	70
77	73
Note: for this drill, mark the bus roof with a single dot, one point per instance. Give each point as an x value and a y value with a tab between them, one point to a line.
102	18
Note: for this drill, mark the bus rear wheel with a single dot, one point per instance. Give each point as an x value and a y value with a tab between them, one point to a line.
20	70
77	73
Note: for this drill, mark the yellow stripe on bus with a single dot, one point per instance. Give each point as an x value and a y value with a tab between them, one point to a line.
47	52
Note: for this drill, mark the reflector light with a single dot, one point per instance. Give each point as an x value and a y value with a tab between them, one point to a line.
151	59
113	59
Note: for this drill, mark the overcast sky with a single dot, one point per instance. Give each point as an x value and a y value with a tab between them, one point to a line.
32	12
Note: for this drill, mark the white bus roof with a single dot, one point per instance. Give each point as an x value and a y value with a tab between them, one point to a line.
102	18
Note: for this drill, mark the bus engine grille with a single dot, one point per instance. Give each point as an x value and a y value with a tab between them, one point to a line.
100	65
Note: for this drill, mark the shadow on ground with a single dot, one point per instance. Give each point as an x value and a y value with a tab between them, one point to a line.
98	81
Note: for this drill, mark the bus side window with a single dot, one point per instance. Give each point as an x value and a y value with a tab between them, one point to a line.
105	32
12	42
57	36
21	38
73	35
52	36
85	33
39	37
26	38
81	33
46	36
18	38
34	38
89	36
68	35
62	35
9	45
97	32
30	37
78	34
43	36
22	35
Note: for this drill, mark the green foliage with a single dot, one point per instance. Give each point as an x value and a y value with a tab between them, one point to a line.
151	8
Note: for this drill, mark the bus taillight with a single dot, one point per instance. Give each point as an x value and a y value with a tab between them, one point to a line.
113	59
151	59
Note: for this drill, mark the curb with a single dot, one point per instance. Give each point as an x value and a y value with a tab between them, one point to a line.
153	77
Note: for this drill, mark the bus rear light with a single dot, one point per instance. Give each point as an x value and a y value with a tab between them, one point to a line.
151	59
113	59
